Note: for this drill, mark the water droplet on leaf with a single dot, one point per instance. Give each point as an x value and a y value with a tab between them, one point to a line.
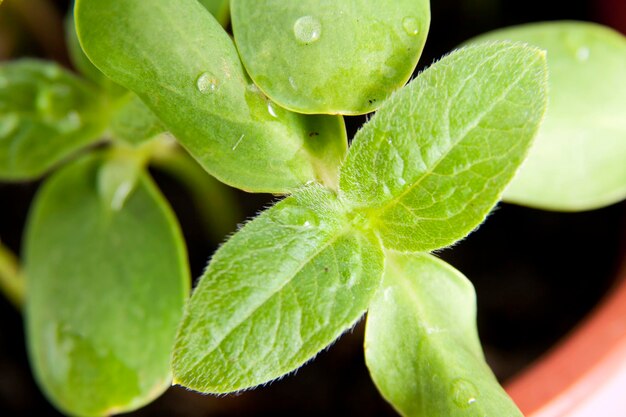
54	101
307	29
8	124
270	109
71	122
206	83
293	84
464	393
411	26
296	216
582	54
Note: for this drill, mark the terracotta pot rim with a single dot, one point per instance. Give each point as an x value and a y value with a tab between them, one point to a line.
583	367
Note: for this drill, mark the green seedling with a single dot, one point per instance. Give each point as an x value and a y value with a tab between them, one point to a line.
108	322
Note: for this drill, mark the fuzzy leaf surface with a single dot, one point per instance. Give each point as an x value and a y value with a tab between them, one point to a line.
106	290
434	160
279	291
325	56
46	114
421	343
578	161
185	67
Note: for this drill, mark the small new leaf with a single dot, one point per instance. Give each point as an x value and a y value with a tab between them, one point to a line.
105	295
421	343
279	291
185	67
46	114
434	160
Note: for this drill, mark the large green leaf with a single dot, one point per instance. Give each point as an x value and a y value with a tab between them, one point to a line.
185	67
326	56
106	289
46	114
84	65
280	290
433	161
421	344
579	159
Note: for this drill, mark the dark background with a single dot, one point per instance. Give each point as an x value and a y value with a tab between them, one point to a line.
536	273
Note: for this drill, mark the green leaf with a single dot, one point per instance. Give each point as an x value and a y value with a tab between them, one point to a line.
579	159
220	9
84	65
433	161
421	343
134	122
315	56
46	114
183	65
106	290
279	291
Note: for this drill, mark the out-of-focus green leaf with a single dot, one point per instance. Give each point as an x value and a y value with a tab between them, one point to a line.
134	122
46	114
579	159
279	291
185	67
106	292
434	160
421	344
220	9
84	65
328	56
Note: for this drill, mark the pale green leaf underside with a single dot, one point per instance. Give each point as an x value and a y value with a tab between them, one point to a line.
578	161
279	291
220	9
106	291
46	114
421	343
185	67
433	161
325	56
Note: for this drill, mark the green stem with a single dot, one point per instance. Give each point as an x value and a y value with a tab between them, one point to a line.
216	202
12	282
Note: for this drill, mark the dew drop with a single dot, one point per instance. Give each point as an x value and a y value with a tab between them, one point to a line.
70	122
52	72
206	83
8	125
411	25
307	29
270	109
54	101
464	393
296	216
292	83
582	54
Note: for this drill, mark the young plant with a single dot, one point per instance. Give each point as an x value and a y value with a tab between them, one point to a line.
104	257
